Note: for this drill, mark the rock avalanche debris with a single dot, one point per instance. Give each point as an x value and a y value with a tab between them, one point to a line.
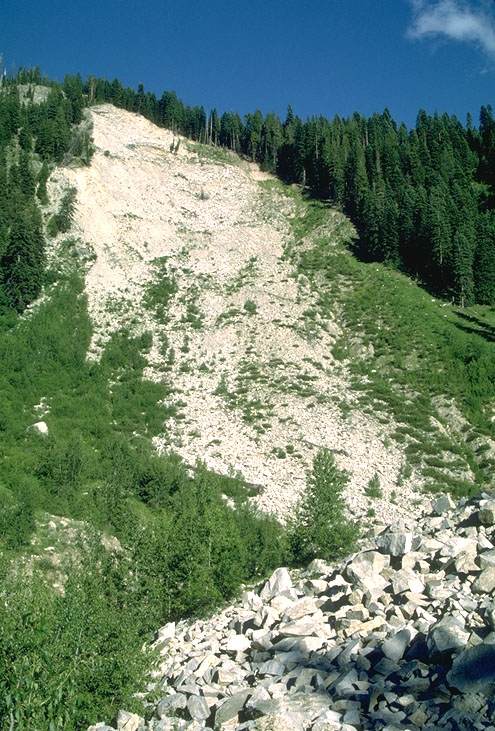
395	637
242	343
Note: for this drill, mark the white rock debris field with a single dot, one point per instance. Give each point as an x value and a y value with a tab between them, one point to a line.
399	636
258	393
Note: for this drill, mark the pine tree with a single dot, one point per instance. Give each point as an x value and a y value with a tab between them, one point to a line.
171	111
288	127
462	270
356	184
333	164
26	177
484	261
23	260
25	138
370	241
319	527
299	158
41	192
438	233
253	127
213	128
390	227
271	140
61	135
73	89
487	133
4	188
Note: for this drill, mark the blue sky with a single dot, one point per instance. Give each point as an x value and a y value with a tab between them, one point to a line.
322	56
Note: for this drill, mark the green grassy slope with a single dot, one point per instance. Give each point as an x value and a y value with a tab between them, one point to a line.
428	365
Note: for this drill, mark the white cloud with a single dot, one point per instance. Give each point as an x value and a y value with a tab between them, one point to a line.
454	20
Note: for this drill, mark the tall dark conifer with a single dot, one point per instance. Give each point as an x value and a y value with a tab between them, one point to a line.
484	261
462	270
23	260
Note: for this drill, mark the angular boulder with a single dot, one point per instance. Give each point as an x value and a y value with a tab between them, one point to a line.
447	635
443	504
473	671
395	544
278	583
128	721
40	428
198	708
230	708
171	704
486	514
395	647
485	582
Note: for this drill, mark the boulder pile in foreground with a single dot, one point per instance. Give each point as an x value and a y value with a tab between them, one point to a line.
399	636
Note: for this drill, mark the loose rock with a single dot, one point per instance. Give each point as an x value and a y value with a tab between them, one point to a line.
389	639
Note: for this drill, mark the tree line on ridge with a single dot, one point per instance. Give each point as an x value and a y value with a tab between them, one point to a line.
422	200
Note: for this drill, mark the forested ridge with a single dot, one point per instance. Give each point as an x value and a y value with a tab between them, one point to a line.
422	200
33	137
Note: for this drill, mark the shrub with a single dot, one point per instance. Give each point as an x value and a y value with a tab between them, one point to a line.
66	660
374	489
16	515
250	307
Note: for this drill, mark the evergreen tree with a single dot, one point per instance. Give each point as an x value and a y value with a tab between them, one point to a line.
4	207
487	134
205	558
253	127
230	131
171	111
26	177
25	138
356	183
370	243
390	243
73	89
271	140
139	98
462	269
41	191
213	128
319	527
332	164
23	260
61	135
438	233
484	261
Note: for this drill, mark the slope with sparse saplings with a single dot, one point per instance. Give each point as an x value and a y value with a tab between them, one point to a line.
190	244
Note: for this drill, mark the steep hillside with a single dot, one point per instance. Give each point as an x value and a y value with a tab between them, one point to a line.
191	243
194	305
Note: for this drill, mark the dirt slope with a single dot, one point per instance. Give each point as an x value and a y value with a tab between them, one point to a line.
256	385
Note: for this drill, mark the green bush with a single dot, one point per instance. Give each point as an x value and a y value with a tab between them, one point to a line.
250	307
374	489
52	229
66	661
17	514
